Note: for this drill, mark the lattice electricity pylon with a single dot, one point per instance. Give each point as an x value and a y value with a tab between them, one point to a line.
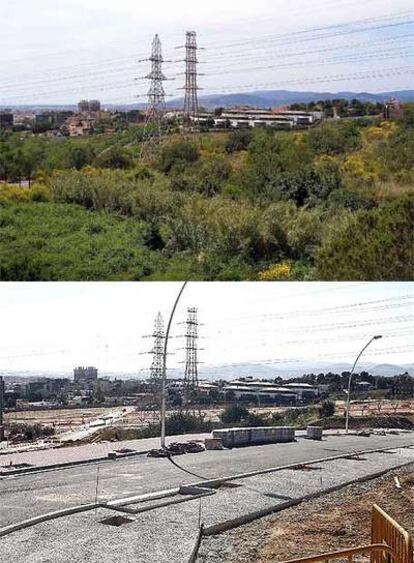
191	362
157	351
191	104
156	369
153	129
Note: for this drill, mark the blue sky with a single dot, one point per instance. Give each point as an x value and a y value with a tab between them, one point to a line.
53	326
62	50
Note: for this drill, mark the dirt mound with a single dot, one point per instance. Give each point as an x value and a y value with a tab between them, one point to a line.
363	422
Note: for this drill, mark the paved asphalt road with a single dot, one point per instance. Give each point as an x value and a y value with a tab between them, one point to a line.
52	456
30	495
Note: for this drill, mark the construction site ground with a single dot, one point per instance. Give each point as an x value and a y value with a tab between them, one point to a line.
330	523
64	420
168	534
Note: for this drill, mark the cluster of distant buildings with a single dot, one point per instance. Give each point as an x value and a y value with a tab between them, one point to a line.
68	123
89	114
247	117
86	388
46	392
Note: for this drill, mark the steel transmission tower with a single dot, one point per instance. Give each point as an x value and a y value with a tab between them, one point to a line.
153	130
191	363
191	105
157	352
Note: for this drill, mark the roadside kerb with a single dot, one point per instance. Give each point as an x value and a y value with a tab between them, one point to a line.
250	517
45	517
68	464
194	553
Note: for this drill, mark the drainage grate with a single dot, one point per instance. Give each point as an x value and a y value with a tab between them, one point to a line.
117	521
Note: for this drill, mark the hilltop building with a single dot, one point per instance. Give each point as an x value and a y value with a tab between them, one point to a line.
88	375
89	106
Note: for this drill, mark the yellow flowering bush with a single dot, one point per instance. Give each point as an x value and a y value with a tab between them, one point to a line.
278	272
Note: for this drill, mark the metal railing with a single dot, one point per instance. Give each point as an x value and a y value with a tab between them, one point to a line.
390	543
387	531
349	554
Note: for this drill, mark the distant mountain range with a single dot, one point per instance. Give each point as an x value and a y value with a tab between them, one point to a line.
275	98
263	371
260	99
233	371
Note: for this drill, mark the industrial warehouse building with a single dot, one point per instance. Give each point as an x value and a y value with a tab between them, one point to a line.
246	117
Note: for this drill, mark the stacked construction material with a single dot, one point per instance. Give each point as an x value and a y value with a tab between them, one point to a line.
233	437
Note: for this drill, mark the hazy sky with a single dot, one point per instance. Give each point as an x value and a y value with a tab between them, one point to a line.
49	326
62	50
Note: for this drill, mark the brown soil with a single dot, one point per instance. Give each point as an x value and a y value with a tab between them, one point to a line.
338	521
331	522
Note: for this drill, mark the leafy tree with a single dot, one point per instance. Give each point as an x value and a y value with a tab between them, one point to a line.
239	140
334	138
327	409
115	157
80	156
234	413
177	154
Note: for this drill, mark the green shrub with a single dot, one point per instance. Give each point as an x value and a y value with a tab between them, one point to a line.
234	413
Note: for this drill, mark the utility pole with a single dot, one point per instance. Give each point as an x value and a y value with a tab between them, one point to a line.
1	408
191	105
164	367
191	363
153	130
348	399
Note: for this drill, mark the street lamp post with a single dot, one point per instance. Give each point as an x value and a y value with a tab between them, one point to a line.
164	368
348	401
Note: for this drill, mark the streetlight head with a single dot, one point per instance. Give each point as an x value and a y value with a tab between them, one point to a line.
378	337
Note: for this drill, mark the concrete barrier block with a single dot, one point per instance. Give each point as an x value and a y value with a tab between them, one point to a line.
249	436
213	444
314	432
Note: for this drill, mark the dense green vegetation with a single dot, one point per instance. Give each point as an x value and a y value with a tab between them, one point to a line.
51	241
335	202
343	107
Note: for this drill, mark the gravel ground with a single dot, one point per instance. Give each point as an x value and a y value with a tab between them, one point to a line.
168	535
161	536
331	522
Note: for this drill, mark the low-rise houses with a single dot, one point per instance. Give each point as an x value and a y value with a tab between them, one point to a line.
77	127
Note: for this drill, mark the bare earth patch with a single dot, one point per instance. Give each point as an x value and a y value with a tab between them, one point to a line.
330	523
